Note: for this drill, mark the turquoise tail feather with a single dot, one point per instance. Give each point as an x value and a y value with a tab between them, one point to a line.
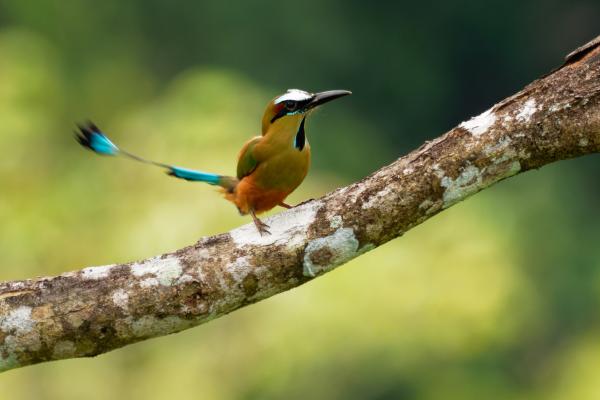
194	176
92	138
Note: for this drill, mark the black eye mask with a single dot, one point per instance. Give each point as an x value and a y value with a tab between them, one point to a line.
300	108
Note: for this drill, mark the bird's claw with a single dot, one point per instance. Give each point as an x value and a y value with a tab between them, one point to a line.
304	202
263	228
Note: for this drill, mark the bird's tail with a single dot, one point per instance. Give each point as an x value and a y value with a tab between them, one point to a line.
92	138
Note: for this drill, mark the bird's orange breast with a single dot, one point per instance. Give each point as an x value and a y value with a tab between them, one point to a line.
249	196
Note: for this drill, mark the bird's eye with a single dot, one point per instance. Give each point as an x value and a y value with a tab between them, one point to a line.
290	105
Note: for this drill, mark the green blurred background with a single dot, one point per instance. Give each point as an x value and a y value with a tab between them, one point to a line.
496	298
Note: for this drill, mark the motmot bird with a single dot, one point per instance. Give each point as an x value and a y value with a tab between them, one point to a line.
270	166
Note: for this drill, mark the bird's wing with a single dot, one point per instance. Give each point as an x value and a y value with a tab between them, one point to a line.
247	160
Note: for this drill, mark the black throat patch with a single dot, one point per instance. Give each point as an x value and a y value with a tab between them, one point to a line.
300	139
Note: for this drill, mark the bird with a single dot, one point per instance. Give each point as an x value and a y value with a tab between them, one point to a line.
269	166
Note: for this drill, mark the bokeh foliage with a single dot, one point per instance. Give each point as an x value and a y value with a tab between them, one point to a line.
496	298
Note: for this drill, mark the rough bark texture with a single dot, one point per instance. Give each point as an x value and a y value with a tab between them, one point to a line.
98	309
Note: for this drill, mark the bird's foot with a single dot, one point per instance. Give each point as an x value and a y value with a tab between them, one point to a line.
304	202
285	205
263	228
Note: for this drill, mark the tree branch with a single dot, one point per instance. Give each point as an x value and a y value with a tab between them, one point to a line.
98	309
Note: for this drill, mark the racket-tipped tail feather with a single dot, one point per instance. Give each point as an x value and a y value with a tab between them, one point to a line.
193	175
90	137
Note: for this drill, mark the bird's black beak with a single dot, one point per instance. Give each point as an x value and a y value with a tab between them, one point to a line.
325	97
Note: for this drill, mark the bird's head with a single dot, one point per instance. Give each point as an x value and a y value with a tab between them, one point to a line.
291	106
